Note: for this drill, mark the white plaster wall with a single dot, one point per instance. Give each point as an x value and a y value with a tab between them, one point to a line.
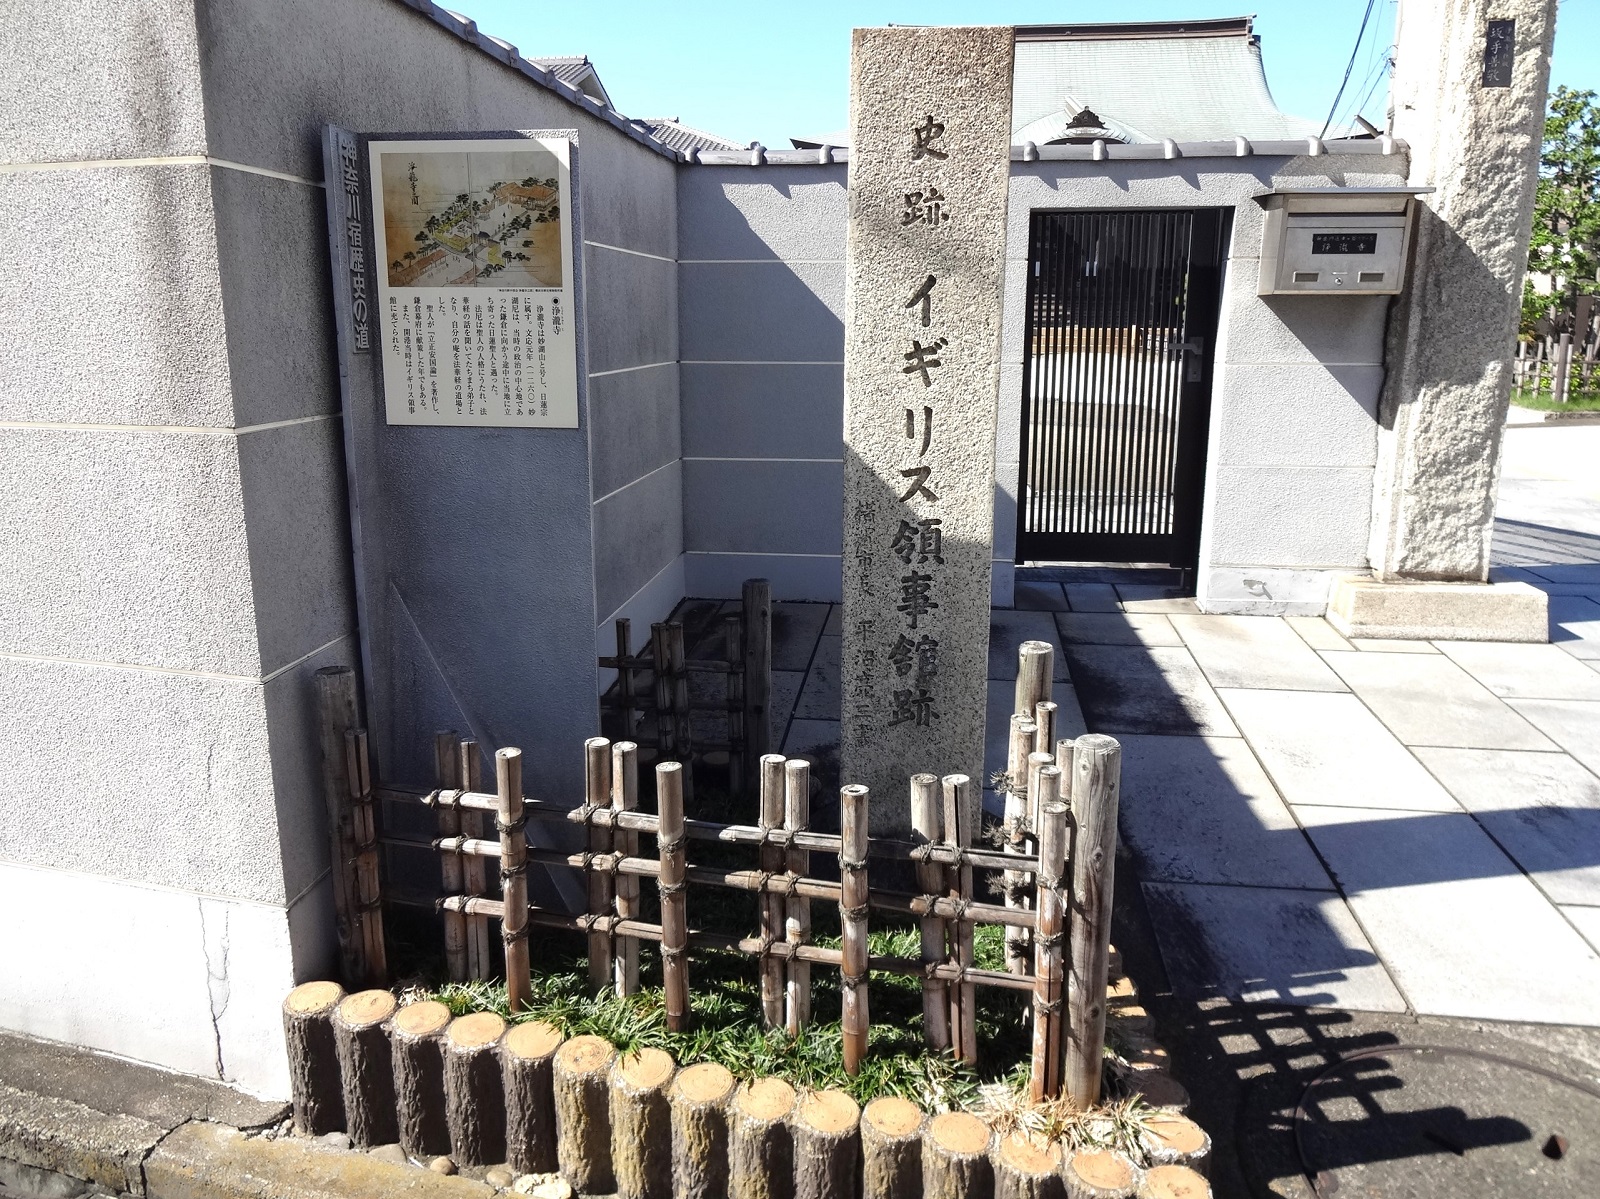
1293	436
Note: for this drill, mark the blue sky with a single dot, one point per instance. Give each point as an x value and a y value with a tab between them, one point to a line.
768	71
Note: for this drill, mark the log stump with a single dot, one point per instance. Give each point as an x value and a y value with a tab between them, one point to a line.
418	1053
1173	1182
474	1104
1098	1174
761	1152
955	1158
313	1058
700	1096
1174	1140
891	1149
526	1063
1024	1169
641	1124
579	1075
366	1068
1158	1089
827	1145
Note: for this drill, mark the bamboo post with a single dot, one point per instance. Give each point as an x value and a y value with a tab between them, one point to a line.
1017	829
666	743
1049	904
1044	719
337	713
733	638
756	612
827	1145
1035	666
369	896
1098	1174
959	819
1174	1140
318	1100
625	697
580	1078
891	1149
641	1124
699	1098
527	1057
366	1068
597	795
625	798
955	1158
1558	380
771	903
1172	1182
853	899
417	1051
1037	761
760	1148
925	828
674	917
447	774
513	876
797	923
682	716
474	1102
1024	1169
1096	772
479	964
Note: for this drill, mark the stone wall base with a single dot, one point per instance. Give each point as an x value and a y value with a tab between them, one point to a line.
1365	607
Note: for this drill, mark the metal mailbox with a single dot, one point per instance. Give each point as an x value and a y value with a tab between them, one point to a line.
1345	240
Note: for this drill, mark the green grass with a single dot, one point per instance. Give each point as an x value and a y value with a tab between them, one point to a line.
1543	401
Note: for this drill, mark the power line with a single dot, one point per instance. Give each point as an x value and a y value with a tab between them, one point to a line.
1350	66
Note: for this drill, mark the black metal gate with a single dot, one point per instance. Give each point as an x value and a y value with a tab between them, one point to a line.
1116	383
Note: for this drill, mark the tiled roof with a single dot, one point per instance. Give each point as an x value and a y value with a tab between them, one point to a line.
577	70
675	135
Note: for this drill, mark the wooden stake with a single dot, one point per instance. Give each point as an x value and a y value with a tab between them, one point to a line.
479	964
1098	1174
369	897
313	1058
1017	830
797	925
580	1078
925	829
827	1145
447	773
674	916
625	798
527	1056
772	906
1024	1169
959	822
955	1158
1174	1140
1044	718
853	898
760	1148
337	713
597	795
738	759
699	1097
756	610
366	1068
1173	1182
1096	770
891	1149
417	1051
513	877
1035	666
1049	902
474	1103
641	1124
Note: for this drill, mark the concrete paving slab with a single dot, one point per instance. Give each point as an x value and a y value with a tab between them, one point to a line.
1574	724
1543	809
1009	628
820	697
1158	690
786	686
811	738
1587	921
835	624
1520	671
1426	699
1254	651
795	629
1589	591
1179	604
1116	628
1378	645
1316	632
1583	651
1461	928
1324	747
1201	810
1040	597
1574	618
1570	572
1270	946
1135	592
1092	597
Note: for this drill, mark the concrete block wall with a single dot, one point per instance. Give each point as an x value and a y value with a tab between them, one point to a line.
761	306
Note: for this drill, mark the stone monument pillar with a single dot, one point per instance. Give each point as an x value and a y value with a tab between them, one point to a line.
930	121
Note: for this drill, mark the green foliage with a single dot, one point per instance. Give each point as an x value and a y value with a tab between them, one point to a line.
1565	245
1578	401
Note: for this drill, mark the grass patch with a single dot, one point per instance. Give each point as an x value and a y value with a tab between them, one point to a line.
1543	401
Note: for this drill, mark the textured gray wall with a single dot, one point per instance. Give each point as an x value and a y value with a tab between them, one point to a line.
761	304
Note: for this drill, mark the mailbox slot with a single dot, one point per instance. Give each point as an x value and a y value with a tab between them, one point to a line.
1339	241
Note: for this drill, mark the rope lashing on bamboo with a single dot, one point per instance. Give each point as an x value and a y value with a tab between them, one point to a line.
671	847
521	934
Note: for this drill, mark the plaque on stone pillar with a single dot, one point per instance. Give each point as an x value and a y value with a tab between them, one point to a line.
930	120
